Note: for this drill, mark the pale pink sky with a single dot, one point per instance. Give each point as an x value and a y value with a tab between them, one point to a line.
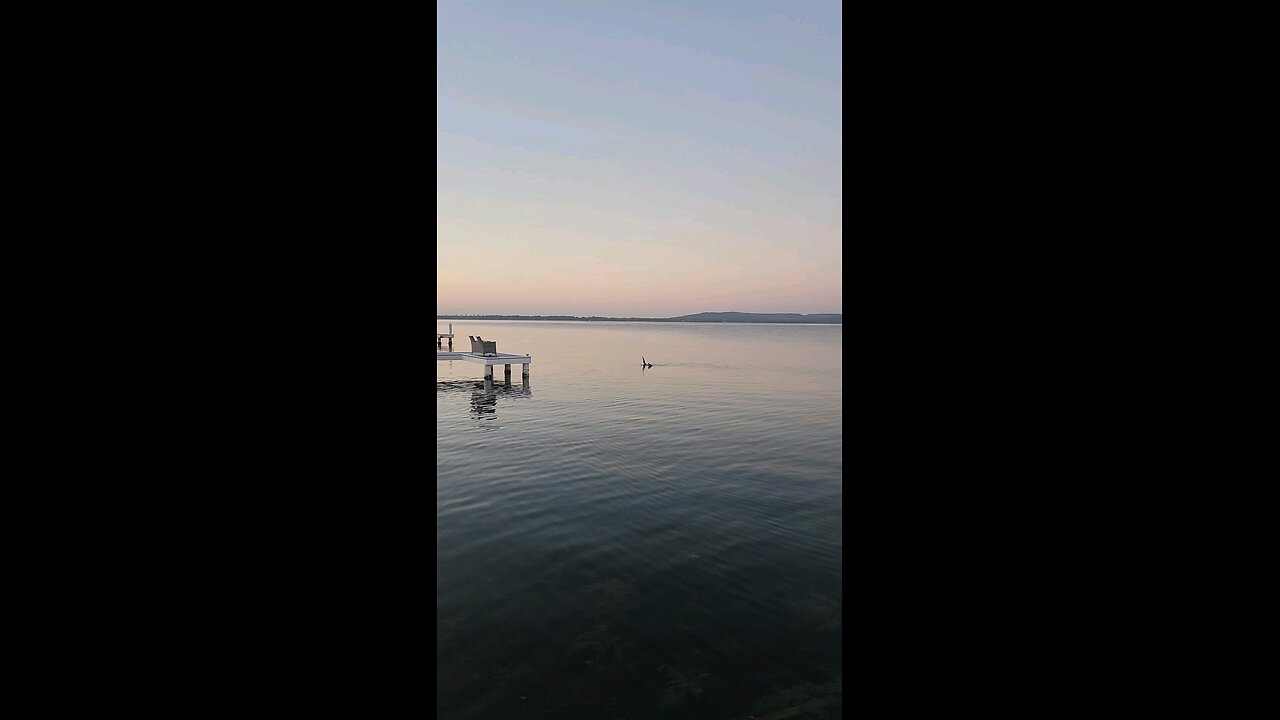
645	279
643	160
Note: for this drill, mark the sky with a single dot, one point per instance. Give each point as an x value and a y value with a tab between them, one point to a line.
638	159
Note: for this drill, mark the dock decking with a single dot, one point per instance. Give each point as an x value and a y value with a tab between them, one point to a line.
487	360
445	336
505	359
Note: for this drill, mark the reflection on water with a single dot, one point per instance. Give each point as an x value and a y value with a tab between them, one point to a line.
484	394
485	401
642	543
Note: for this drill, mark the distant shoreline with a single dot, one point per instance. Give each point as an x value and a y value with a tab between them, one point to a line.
724	317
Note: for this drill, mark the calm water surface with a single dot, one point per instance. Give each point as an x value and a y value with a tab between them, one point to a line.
618	542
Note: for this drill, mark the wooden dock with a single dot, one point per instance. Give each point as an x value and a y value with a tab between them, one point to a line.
488	360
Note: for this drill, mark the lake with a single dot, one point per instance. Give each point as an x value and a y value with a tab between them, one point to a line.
615	541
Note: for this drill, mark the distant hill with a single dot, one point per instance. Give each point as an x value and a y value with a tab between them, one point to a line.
739	317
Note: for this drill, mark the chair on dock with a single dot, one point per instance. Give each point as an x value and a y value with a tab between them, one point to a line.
480	346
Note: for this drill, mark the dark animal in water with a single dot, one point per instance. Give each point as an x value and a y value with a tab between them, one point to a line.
645	363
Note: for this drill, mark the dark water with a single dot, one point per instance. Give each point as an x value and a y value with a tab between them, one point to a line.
618	542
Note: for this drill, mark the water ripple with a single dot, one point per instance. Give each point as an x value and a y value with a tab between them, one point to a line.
608	538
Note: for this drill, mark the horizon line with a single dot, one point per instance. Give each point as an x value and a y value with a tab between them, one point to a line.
701	312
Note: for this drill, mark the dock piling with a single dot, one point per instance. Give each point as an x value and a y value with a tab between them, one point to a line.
488	360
